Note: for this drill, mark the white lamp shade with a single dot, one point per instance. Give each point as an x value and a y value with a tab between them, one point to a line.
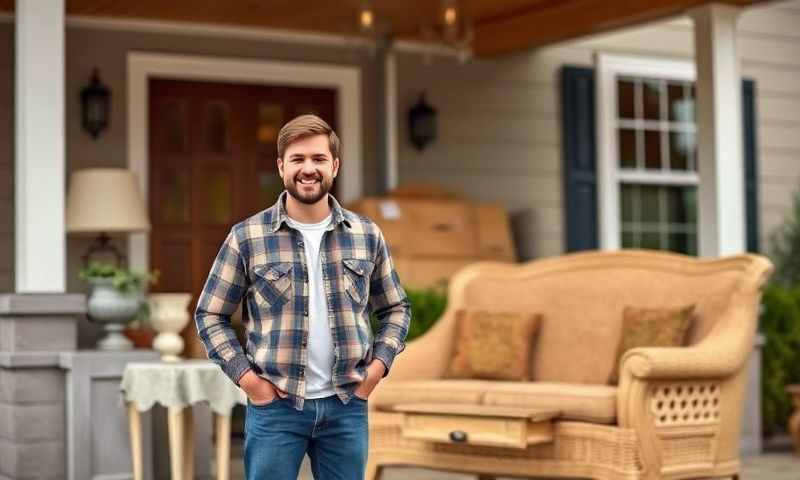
105	200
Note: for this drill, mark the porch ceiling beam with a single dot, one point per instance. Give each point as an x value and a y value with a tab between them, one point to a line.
553	21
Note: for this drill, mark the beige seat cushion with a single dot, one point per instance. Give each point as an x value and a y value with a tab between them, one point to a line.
589	403
429	391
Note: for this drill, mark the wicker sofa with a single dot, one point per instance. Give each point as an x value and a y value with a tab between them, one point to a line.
675	413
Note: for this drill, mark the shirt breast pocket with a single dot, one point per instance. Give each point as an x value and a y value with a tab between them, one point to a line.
272	284
357	272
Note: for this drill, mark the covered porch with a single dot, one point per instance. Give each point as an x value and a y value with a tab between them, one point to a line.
504	128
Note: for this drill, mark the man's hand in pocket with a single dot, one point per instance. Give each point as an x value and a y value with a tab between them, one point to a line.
259	390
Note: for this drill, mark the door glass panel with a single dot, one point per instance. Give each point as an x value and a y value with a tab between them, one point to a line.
270	120
217	127
270	185
174	132
177	205
218	195
303	109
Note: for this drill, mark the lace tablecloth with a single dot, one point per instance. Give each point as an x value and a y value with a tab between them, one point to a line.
179	384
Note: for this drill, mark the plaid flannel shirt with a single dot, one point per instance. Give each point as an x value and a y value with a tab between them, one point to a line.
262	261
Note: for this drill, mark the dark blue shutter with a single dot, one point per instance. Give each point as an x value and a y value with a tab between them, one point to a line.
750	163
579	149
580	177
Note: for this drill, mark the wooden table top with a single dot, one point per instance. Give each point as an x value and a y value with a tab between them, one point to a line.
475	410
793	389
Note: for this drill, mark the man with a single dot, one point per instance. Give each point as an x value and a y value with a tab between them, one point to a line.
310	272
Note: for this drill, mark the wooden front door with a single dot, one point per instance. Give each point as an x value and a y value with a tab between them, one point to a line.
213	163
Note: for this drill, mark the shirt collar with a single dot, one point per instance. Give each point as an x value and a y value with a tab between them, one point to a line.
279	212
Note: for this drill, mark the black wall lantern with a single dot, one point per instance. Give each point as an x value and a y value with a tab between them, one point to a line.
422	123
95	105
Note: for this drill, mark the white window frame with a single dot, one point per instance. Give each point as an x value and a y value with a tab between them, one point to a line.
609	175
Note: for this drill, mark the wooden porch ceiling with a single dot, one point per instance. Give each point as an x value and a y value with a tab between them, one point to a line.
501	26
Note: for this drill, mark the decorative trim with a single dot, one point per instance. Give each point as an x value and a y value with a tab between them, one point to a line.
142	66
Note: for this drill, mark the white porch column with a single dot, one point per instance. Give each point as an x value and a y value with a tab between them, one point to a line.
390	122
721	216
40	243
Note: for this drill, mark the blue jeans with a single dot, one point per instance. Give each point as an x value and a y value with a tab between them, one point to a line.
335	436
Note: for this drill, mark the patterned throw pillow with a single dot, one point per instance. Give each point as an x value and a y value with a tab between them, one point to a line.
651	327
493	345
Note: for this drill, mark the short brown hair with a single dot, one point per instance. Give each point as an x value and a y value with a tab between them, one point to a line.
307	126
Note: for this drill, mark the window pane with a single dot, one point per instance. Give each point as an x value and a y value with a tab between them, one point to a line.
678	242
651	240
652	149
680	108
679	204
625	99
628	196
651	91
692	244
629	240
690	199
681	146
649	204
674	100
627	148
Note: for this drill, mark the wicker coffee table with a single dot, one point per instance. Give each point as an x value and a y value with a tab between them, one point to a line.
794	421
477	425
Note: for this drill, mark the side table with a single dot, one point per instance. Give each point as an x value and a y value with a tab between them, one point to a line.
794	421
176	386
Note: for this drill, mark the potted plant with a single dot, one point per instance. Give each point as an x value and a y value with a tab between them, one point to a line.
116	298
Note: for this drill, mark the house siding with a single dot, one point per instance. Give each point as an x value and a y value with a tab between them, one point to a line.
499	119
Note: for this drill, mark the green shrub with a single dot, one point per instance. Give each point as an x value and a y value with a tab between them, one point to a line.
427	305
780	324
785	248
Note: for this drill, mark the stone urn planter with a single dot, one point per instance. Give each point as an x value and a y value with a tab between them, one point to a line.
168	316
113	309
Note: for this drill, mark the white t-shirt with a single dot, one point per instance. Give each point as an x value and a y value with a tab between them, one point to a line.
320	340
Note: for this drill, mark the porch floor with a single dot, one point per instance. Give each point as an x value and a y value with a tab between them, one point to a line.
769	466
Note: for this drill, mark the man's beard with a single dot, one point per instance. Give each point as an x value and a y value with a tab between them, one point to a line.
296	190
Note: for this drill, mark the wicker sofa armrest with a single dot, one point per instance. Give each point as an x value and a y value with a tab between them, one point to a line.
722	353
